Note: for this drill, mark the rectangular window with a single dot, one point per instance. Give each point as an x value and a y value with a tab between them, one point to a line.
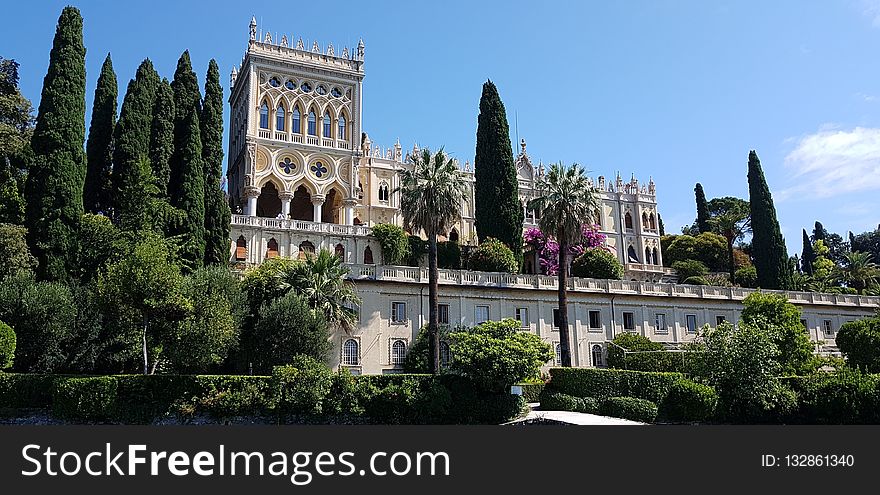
806	325
629	321
443	314
720	319
829	330
555	317
522	316
660	323
398	312
481	314
691	323
595	320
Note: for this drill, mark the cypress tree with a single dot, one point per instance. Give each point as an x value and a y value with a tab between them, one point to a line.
162	137
186	98
807	255
132	137
702	209
498	212
191	192
819	232
768	245
56	177
660	224
99	147
217	213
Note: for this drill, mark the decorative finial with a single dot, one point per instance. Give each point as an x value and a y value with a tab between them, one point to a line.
467	165
253	28
284	40
522	145
316	48
330	50
299	45
268	38
361	49
345	52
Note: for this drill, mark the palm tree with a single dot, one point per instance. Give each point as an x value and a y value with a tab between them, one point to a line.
566	199
858	271
320	280
431	196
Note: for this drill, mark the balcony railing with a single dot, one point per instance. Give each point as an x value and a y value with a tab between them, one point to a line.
575	284
299	225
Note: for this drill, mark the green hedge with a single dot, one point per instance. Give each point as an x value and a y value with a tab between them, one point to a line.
7	346
295	393
602	383
844	397
557	401
531	392
630	408
688	401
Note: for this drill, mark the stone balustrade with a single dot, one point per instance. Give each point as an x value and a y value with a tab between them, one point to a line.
299	225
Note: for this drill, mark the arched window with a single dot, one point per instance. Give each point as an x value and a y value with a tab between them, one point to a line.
279	118
351	353
313	124
445	355
398	352
306	249
645	223
328	123
453	235
294	127
341	134
383	191
597	356
340	252
648	256
656	256
558	349
368	256
652	222
264	116
240	249
272	249
631	255
628	221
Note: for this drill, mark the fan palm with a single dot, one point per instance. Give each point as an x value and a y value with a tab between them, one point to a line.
320	280
565	199
431	194
858	271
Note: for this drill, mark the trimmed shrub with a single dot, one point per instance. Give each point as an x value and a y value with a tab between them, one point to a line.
746	276
602	383
641	410
84	399
394	243
555	401
7	346
597	263
690	268
696	281
301	387
26	391
531	392
859	341
845	397
689	401
493	255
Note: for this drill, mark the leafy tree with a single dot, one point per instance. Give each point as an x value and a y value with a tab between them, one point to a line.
859	271
43	315
162	137
859	342
99	147
16	127
493	255
7	346
132	141
808	256
145	291
217	213
771	262
708	248
418	359
14	251
287	328
702	222
690	268
431	196
867	242
393	241
782	320
55	179
746	276
564	198
730	217
498	212
496	355
597	263
320	281
190	197
449	255
204	338
100	243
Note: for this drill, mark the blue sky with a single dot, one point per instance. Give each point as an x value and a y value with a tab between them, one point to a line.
678	90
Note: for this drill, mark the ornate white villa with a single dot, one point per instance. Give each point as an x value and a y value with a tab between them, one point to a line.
303	175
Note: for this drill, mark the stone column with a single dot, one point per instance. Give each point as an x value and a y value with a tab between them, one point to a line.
317	203
251	193
285	197
349	211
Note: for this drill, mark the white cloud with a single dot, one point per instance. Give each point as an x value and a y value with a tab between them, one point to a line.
834	162
871	10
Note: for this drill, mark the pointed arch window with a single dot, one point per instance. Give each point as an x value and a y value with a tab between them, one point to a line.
383	192
272	249
631	255
264	116
295	124
652	222
655	256
279	118
313	124
628	221
340	251
341	134
328	124
648	256
368	256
